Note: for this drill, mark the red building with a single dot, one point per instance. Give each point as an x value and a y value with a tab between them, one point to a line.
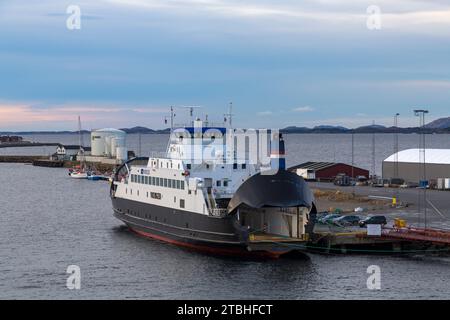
327	171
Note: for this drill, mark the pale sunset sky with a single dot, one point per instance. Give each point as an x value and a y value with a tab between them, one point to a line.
281	62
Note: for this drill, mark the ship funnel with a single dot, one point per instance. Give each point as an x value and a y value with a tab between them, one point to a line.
277	152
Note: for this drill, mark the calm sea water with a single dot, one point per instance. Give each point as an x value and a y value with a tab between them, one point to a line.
49	221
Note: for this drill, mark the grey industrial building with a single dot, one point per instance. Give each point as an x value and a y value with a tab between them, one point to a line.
410	164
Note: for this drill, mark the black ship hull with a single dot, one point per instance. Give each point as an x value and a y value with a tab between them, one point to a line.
213	235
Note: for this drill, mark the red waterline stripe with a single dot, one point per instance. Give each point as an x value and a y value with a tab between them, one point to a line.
240	252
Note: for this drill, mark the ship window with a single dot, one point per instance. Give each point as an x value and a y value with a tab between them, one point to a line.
235	166
178	184
244	166
131	191
155	195
207	166
147	194
175	199
169	183
146	180
189	191
138	192
218	183
157	181
126	190
181	203
225	183
152	181
188	166
182	185
165	182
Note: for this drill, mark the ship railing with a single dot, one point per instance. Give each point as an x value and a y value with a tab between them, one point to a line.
224	194
218	212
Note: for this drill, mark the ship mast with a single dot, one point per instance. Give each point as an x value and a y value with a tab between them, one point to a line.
229	116
80	141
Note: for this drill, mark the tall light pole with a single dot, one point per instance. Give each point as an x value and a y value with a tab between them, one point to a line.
353	163
396	144
422	153
396	173
373	154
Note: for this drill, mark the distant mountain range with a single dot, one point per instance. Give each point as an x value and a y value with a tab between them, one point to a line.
365	129
437	126
442	123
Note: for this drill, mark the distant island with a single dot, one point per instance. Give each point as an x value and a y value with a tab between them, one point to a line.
441	125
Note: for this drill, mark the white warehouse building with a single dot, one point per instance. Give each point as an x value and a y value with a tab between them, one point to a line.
410	165
109	143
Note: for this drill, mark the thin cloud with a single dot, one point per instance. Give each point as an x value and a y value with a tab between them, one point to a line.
265	113
303	109
417	17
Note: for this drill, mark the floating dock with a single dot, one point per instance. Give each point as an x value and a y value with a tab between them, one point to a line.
21	159
48	163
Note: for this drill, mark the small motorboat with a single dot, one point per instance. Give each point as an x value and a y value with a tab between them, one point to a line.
94	177
78	175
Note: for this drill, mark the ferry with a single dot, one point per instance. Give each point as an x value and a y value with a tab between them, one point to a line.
221	204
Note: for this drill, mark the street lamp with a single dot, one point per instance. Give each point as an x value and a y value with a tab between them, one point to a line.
422	152
396	173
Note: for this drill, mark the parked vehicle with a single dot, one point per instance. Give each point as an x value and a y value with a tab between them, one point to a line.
346	221
396	182
320	215
342	180
373	220
361	181
328	219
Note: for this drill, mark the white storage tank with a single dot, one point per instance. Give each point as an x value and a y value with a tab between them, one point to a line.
115	143
122	154
101	141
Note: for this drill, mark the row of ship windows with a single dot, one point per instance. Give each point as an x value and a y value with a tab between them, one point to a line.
159	182
157	196
235	166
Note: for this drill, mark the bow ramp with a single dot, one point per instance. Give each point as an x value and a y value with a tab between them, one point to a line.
274	210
